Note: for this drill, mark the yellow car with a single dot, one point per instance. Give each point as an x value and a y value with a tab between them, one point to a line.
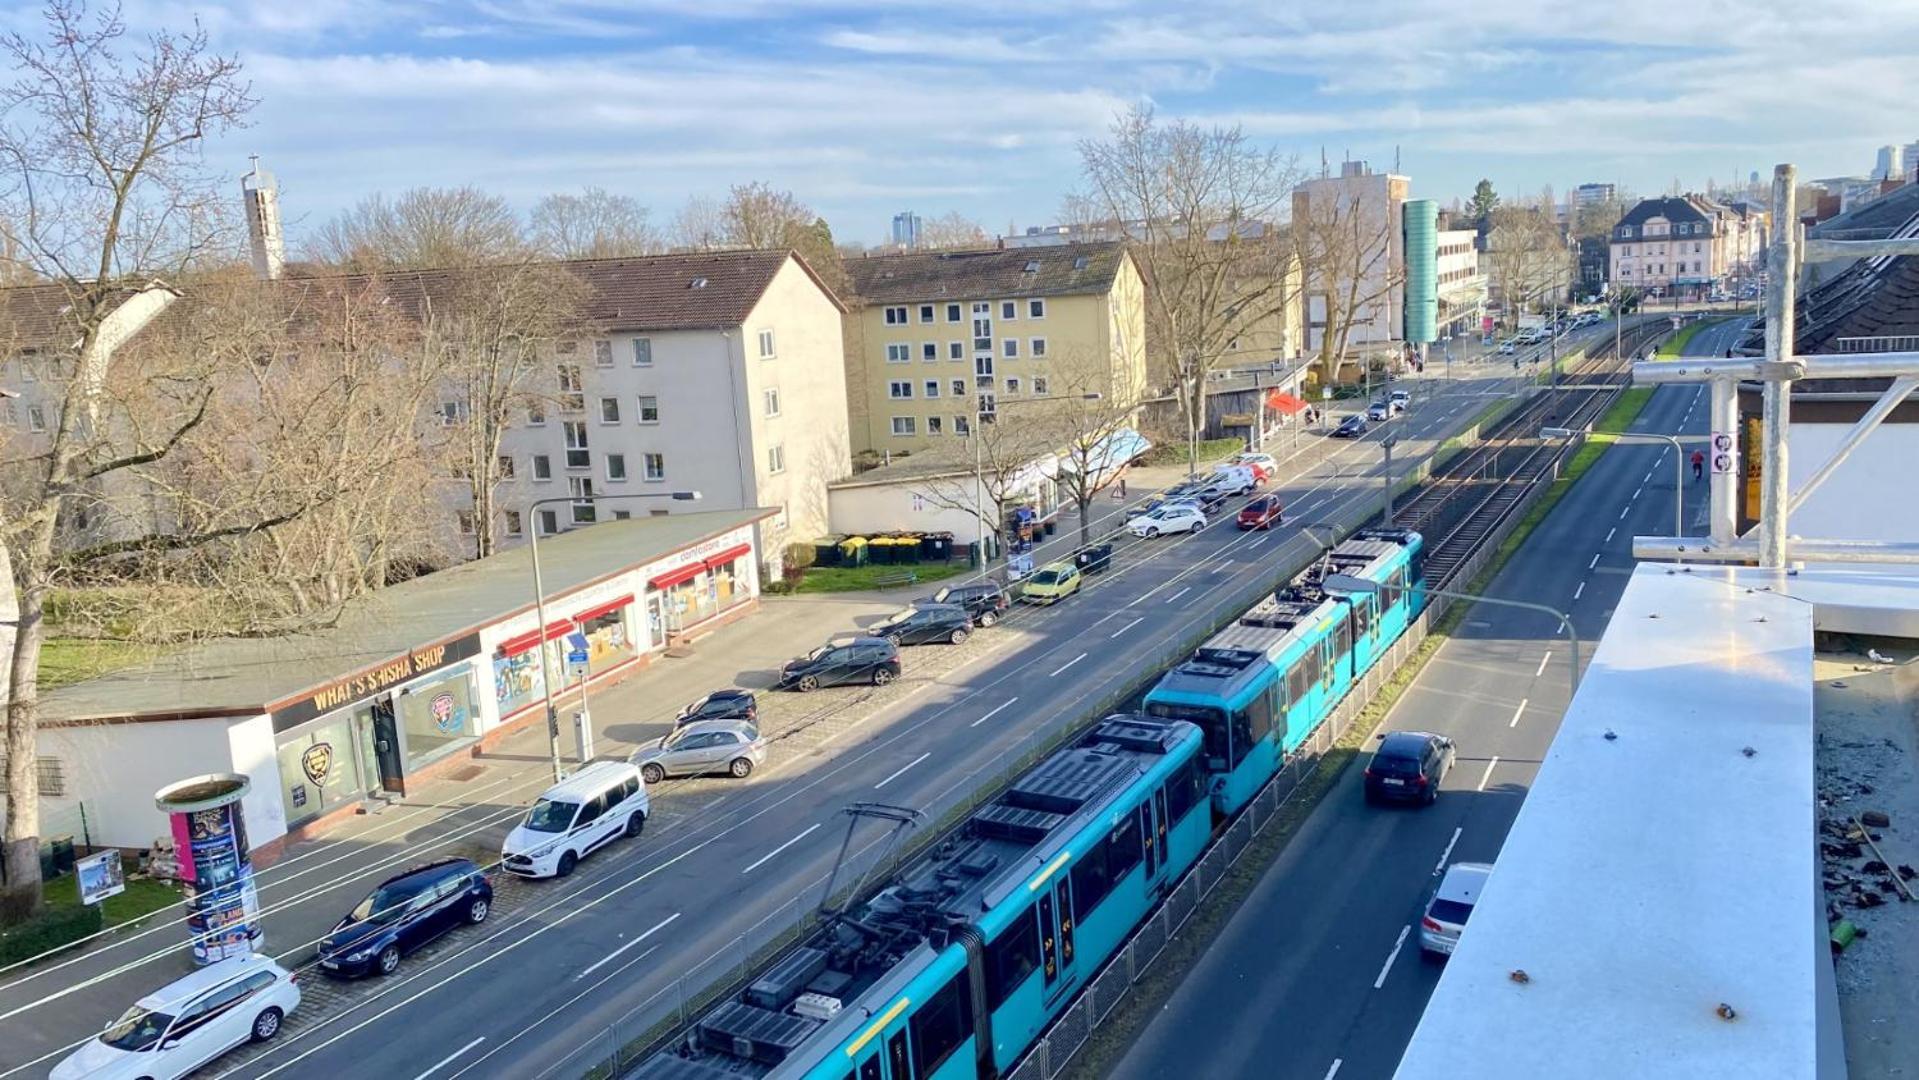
1051	583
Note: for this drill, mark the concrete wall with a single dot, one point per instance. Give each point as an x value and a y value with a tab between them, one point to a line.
115	769
810	429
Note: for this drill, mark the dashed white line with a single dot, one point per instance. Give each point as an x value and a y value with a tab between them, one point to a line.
1594	565
1609	533
1392	956
1514	722
1127	627
761	861
1636	491
1488	774
996	710
902	770
1542	664
1259	541
1448	853
448	1060
1334	1071
596	965
1179	594
1580	591
1066	665
1627	509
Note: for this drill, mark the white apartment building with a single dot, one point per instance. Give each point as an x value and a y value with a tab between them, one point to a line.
1364	209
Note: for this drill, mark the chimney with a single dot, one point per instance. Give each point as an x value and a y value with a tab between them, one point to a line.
262	197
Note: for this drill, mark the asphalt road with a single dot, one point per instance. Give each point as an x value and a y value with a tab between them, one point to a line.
560	962
1319	974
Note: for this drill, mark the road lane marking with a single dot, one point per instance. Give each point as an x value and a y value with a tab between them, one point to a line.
1067	664
602	962
1636	491
1179	594
1542	664
1594	565
1488	775
902	770
1627	509
1127	627
997	709
1392	956
448	1060
1581	591
1259	541
1448	853
1514	722
1334	1071
1609	533
761	861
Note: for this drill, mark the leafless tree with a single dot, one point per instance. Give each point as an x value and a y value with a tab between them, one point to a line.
100	169
423	227
757	216
699	226
1526	255
980	475
1085	422
952	230
1203	205
595	224
1345	247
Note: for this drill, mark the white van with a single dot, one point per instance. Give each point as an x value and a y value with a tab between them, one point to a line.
1242	478
595	806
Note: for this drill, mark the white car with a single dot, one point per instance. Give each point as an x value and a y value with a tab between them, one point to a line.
1508	347
1452	905
1171	518
184	1025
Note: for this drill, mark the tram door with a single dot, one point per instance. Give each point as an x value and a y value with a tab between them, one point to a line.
1057	924
1152	832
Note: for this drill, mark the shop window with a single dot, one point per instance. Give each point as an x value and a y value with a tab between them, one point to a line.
608	642
436	716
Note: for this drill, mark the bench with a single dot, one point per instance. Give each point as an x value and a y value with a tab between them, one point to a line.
894	581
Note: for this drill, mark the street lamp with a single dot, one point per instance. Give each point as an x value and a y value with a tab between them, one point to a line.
1678	464
979	463
1387	445
1348	583
539	604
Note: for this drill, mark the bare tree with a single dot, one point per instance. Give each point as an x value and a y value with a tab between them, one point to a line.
757	216
979	475
595	224
953	230
1526	254
1086	423
423	227
699	226
1203	206
1345	246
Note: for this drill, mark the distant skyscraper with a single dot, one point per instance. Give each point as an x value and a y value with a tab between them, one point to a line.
1588	194
906	229
1891	163
263	221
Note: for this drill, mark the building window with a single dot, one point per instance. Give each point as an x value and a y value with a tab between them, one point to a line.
609	410
542	467
952	313
959	387
1040	389
988	406
465	518
616	466
932	388
602	354
903	425
642	352
511	523
655	465
766	344
896	316
536	415
1036	309
934	425
771	399
926	313
962	426
1009	310
506	466
956	350
581	488
576	452
930	351
572	389
649	409
1012	387
1010	347
983	365
900	388
776	459
899	354
452	412
622	515
1039	347
36	419
549	522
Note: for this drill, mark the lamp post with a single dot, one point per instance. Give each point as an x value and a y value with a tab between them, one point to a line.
539	604
1678	464
1348	583
979	462
1387	445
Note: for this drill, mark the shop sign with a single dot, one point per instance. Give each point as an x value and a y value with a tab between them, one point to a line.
368	683
317	762
697	553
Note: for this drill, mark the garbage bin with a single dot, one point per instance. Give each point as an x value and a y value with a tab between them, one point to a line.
60	852
937	547
853	551
1052	526
827	552
906	548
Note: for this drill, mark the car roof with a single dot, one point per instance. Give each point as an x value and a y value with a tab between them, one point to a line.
1464	881
938	609
588	779
730	692
1062	567
1406	743
737	727
856	639
219	973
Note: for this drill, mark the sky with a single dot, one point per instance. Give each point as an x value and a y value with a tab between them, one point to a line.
867	107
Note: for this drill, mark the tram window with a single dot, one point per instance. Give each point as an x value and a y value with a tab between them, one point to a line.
1067	921
1182	794
1362	615
1123	850
1389	592
896	1060
1092	878
1342	640
870	1068
1259	720
941	1025
1011	959
1300	680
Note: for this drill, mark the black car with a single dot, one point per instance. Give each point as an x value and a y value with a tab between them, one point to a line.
1350	428
985	601
404	913
925	624
1408	767
843	660
721	705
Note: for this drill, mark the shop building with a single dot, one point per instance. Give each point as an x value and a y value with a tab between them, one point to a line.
405	685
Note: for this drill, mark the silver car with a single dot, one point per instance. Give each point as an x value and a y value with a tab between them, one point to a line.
733	747
1452	905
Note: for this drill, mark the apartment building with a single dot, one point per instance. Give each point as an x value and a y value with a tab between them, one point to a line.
1686	246
1462	286
936	339
1354	228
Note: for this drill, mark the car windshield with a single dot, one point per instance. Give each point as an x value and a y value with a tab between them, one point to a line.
943	596
697	706
1046	577
678	739
550	815
817	653
899	617
137	1029
385	903
1451	911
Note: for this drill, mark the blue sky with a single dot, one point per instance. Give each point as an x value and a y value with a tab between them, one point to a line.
864	107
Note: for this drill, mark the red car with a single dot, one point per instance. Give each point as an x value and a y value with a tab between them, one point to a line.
1262	513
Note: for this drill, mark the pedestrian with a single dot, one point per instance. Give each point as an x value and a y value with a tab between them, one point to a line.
1698	464
1122	489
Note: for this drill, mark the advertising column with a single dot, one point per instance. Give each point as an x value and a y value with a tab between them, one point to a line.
210	838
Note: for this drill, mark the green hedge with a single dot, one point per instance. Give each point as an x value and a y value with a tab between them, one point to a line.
51	929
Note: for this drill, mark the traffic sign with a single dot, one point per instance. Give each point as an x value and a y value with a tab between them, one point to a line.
575	650
1723	454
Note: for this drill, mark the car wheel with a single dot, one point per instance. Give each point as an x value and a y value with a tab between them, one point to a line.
567	862
266	1025
741	768
882	676
477	911
636	823
988	618
1151	531
389	960
653	774
1196	526
1432	794
809	683
957	637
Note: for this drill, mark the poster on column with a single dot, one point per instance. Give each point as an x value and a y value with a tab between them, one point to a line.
223	905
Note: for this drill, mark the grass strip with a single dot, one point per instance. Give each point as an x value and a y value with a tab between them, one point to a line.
68	660
830	579
1174	453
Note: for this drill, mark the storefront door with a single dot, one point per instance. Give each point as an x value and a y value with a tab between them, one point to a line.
385	733
655	620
